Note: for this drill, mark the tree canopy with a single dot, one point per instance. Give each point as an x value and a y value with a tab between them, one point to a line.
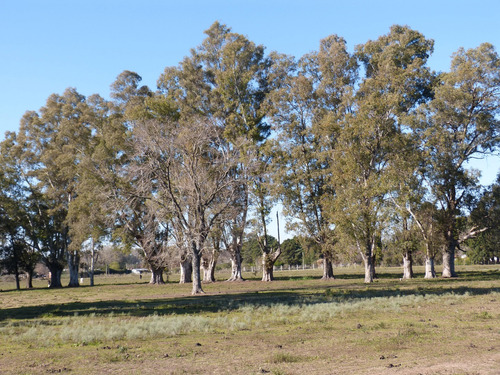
366	150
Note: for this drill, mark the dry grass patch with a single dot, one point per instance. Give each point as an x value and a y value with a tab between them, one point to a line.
294	326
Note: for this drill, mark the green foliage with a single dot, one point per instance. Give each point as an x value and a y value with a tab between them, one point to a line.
484	247
116	267
350	151
460	123
292	253
252	251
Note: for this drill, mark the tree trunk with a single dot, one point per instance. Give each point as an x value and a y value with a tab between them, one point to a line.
369	269
430	272
208	265
29	279
267	268
92	263
236	268
327	269
373	271
449	255
449	262
91	271
157	276
55	272
73	263
197	289
16	274
268	261
186	268
407	266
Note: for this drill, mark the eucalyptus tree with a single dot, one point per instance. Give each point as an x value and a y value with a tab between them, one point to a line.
226	80
140	224
262	205
211	253
137	216
16	252
461	123
307	106
51	143
89	211
417	215
395	82
486	214
233	229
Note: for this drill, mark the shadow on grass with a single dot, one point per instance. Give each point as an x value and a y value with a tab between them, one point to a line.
211	303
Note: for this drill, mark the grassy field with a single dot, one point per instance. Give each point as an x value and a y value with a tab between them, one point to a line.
295	325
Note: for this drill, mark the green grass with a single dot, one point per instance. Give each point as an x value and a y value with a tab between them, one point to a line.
297	324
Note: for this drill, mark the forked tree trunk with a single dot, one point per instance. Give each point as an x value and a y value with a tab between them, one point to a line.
186	268
157	276
407	265
73	263
197	289
235	252
268	261
236	266
430	272
327	269
208	265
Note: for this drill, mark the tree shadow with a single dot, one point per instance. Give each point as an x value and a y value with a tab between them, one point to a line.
213	303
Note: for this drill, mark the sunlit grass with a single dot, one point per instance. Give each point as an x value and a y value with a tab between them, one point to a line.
297	324
109	328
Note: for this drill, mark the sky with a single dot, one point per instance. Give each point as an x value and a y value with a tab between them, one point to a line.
50	45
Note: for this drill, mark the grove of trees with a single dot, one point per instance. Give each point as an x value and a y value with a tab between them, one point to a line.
367	152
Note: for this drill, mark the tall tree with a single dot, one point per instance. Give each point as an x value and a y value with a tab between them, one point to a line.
88	212
50	145
16	254
226	79
191	164
306	107
486	214
396	80
460	123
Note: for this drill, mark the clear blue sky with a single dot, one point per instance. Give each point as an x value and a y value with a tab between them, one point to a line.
48	45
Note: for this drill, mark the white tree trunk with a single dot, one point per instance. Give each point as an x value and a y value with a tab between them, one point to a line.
268	261
430	272
267	269
236	267
92	264
197	289
208	266
186	268
449	262
407	266
73	264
